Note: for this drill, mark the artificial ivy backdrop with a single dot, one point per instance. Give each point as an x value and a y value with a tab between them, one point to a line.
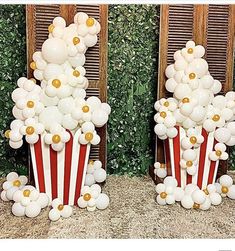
132	76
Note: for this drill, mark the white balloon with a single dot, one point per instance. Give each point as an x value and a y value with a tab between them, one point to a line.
171	85
199	66
43	200
215	198
15	145
219	102
160	129
202	96
67	211
66	105
49	116
180	64
179	193
32	210
198	196
54	215
226	180
198	113
187	202
207	81
231	192
18	210
99	117
222	135
170	71
89	179
54	50
172	132
100	175
170	181
182	90
102	201
206	205
189	154
190	188
217	86
52	71
231	127
68	122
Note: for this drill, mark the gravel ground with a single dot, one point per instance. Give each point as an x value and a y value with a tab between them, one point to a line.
132	213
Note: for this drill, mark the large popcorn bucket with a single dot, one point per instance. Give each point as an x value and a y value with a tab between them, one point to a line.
206	169
60	174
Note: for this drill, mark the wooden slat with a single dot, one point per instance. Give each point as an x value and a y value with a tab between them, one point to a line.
39	17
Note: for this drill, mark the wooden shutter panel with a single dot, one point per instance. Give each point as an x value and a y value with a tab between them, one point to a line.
209	25
39	17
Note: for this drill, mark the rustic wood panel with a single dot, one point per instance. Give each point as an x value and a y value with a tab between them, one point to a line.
39	17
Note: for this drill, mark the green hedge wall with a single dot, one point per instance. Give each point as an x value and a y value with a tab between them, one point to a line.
132	65
12	66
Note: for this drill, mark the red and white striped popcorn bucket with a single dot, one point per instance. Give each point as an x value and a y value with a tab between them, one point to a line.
60	174
206	169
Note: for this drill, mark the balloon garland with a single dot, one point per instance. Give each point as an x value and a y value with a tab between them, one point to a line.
52	108
194	107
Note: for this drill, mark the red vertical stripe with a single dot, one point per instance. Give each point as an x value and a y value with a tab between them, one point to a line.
54	176
81	163
212	167
167	157
39	165
176	144
202	157
67	168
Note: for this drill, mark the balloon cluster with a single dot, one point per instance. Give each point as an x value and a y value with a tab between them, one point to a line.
191	196
194	106
27	200
91	196
59	103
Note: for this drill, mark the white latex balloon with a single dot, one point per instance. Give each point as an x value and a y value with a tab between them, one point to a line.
170	71
66	105
190	188
189	154
99	117
54	50
231	127
206	205
32	210
54	215
89	180
171	85
231	142
180	64
172	132
18	210
170	181
52	71
226	180
198	196
202	96
160	129
182	90
217	86
15	145
187	202
199	66
3	196
215	198
219	102
49	116
222	135
67	211
179	193
102	201
207	81
100	175
68	122
198	113
43	200
231	192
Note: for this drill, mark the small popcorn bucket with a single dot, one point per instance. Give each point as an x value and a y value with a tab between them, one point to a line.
206	169
60	174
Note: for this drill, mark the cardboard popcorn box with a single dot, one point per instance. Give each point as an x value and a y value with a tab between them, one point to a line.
60	174
206	169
